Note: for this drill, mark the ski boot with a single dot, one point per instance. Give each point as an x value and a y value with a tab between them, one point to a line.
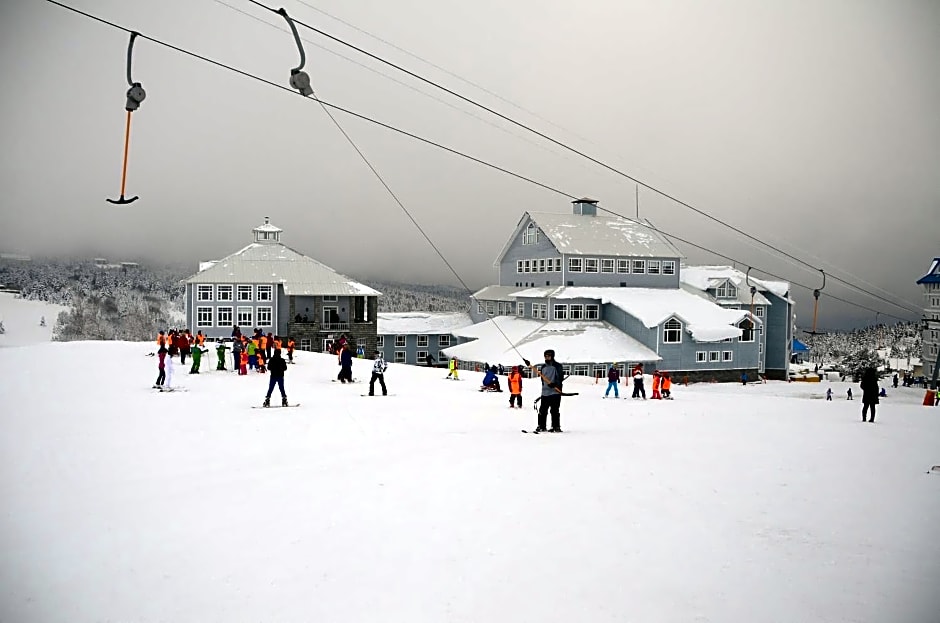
284	401
267	402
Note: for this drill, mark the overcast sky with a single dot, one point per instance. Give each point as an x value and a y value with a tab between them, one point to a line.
812	125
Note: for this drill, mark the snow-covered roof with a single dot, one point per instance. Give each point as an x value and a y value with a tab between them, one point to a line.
268	227
495	293
608	235
933	275
423	323
572	340
704	320
705	277
277	263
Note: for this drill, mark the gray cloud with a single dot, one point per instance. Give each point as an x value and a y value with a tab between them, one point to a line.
812	127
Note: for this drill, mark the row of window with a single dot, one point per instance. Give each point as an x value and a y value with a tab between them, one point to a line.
400	341
242	293
207	317
598	265
712	356
935	301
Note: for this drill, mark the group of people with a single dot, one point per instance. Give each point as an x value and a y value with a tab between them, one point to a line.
173	343
253	353
662	383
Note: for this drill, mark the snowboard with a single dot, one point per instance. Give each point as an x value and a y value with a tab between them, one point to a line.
374	395
170	390
352	381
273	406
535	432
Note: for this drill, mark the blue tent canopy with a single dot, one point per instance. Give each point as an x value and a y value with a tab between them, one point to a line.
799	347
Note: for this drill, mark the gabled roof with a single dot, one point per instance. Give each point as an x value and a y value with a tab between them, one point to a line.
495	293
572	341
277	263
933	275
423	323
705	277
606	235
703	319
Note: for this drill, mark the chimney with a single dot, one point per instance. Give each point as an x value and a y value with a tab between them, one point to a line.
585	206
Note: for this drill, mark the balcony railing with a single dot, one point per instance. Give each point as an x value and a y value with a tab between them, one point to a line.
329	327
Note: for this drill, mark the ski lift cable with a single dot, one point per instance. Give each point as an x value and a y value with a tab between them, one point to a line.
546	137
410	87
435	144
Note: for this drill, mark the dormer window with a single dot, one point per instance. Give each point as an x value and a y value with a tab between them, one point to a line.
726	291
531	234
747	330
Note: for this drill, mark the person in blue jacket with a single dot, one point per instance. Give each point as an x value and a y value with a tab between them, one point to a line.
491	381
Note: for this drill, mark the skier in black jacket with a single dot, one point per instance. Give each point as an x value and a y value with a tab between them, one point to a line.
276	369
552	374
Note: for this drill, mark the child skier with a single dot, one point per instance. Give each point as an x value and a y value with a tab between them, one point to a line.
197	359
848	394
161	368
613	379
220	354
171	353
290	350
378	374
452	369
515	387
656	381
638	382
829	394
666	386
243	363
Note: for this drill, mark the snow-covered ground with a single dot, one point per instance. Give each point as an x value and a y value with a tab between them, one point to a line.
21	320
760	503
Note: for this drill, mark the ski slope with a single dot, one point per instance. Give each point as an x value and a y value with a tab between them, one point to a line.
21	319
762	503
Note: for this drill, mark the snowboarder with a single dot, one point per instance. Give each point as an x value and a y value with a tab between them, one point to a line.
452	369
345	362
552	375
638	388
220	355
277	367
515	387
829	394
613	379
161	368
378	374
869	387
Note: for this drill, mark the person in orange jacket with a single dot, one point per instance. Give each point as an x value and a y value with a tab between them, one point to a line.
261	368
161	340
515	387
657	379
290	350
243	363
666	385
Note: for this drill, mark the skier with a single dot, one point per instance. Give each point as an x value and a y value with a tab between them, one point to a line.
378	374
638	388
666	385
744	378
171	353
895	380
42	323
277	367
656	381
220	354
491	381
552	377
613	379
829	394
236	353
290	350
243	363
161	367
345	362
452	369
197	359
515	387
252	350
869	387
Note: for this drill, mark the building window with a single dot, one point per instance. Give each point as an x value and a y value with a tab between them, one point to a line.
726	355
549	265
531	234
574	264
380	341
623	267
224	293
400	341
305	344
759	311
527	266
592	312
520	309
576	311
541	265
422	341
225	317
669	267
245	317
421	356
399	356
700	356
265	317
543	312
443	340
672	331
639	267
518	266
652	267
490	308
204	293
607	266
265	293
726	291
582	370
203	316
561	312
590	265
480	307
714	355
244	293
747	331
557	264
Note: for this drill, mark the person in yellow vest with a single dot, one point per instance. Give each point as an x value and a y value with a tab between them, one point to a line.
452	369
